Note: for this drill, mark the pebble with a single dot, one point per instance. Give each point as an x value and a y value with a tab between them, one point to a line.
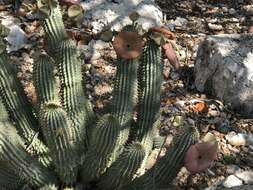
223	126
181	22
239	139
248	9
224	9
232	11
214	26
232	169
232	181
246	176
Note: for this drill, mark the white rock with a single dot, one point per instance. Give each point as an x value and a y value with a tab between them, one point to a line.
248	9
101	13
239	139
246	176
214	26
232	181
17	38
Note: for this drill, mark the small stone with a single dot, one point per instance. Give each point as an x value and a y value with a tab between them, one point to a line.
223	126
248	9
232	169
215	26
174	75
232	181
236	139
181	22
239	139
234	20
232	11
246	176
224	9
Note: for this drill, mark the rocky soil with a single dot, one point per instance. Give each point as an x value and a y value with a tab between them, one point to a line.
191	21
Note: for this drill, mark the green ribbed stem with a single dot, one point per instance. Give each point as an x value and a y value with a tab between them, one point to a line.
8	179
167	168
124	97
61	140
149	92
19	109
70	68
12	151
102	144
44	80
123	169
7	176
54	29
125	91
72	94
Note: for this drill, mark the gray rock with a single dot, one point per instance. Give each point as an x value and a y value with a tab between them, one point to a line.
232	11
223	68
232	169
248	9
181	23
103	13
246	176
232	181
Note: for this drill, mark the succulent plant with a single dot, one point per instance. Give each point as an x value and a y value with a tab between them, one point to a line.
61	142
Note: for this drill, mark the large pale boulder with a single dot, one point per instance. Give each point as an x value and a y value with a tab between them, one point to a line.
114	13
224	69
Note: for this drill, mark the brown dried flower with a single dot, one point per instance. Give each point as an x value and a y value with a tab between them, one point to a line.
200	156
128	45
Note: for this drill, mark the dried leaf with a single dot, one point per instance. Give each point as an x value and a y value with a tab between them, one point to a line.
171	55
199	107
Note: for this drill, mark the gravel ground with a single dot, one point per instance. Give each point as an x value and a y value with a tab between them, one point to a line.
191	21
